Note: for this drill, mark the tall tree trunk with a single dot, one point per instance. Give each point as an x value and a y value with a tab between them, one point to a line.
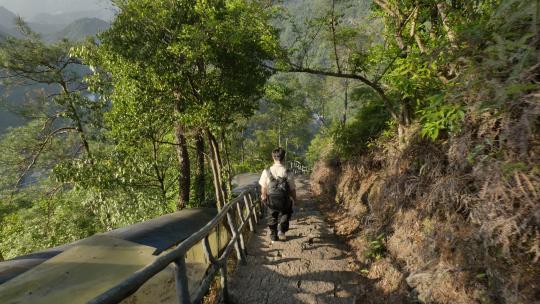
1	257
200	173
217	191
334	42
442	7
219	164
215	165
243	147
403	121
78	120
346	103
184	174
229	171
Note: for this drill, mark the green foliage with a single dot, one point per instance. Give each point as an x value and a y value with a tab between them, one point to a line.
353	138
161	65
377	248
440	116
283	120
413	77
321	147
49	222
195	65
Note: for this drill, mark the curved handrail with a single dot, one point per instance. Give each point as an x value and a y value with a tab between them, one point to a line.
247	200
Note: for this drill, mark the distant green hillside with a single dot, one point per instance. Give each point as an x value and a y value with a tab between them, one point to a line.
7	118
76	31
81	29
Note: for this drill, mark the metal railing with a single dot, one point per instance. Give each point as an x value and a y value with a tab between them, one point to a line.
248	209
298	168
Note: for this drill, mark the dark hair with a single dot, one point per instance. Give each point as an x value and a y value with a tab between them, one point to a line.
279	154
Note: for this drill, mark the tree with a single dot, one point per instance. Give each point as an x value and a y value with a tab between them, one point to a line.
419	39
283	119
349	57
191	65
61	105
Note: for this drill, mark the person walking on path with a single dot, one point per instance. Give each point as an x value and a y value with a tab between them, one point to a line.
278	192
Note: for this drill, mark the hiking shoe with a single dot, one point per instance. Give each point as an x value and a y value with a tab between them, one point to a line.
273	237
282	236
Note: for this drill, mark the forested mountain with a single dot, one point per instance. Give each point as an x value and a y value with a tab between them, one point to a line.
69	17
421	119
80	29
74	26
51	29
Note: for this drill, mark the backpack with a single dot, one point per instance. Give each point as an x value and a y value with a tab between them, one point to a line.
279	193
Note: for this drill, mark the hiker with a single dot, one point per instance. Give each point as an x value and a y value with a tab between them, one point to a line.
278	192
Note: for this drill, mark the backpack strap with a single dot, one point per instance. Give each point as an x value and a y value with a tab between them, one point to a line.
269	174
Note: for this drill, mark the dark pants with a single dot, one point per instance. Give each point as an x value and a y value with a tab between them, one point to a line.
277	218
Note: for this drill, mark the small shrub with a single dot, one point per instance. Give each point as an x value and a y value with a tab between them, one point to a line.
440	116
377	248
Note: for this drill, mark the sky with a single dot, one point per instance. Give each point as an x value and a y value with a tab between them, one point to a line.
29	8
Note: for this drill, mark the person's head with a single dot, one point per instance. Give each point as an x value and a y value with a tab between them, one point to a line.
278	154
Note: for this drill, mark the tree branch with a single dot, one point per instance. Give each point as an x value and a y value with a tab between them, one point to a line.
333	27
379	90
41	147
442	9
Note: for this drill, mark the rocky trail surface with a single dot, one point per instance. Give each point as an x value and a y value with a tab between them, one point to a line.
312	266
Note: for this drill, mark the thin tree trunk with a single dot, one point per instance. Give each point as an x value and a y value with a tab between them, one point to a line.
200	173
414	33
78	120
243	156
403	122
216	170
346	102
219	164
334	42
229	171
184	176
217	190
1	257
442	8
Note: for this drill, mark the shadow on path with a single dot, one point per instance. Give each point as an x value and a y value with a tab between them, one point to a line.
312	266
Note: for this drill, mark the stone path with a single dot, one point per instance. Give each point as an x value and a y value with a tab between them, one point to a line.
310	267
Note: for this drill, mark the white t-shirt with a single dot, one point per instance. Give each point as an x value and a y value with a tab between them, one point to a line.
277	170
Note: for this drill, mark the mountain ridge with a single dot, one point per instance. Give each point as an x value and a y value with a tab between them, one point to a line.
70	17
80	29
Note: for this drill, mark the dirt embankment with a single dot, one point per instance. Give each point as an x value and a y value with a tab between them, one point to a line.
456	222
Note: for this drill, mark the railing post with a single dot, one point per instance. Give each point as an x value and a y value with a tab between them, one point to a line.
234	231
258	198
256	201
182	290
251	211
256	209
208	251
223	272
240	234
